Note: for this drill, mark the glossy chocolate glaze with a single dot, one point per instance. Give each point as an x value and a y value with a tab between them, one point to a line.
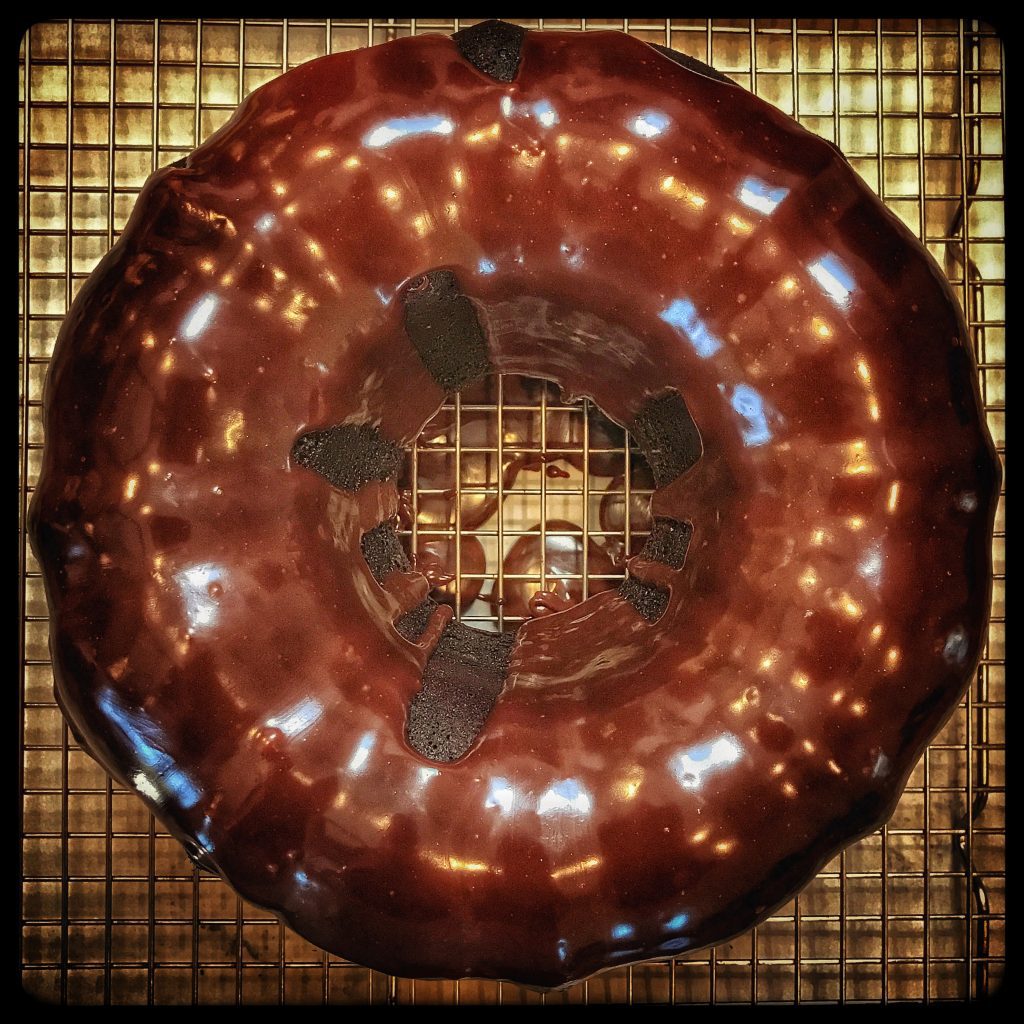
622	224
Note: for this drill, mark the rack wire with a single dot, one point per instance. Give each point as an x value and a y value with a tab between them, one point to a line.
111	909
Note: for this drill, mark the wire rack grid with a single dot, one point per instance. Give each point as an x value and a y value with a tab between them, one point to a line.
112	911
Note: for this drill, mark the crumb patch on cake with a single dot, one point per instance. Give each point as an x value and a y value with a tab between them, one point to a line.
443	327
493	47
668	541
412	625
650	601
667	436
348	455
383	551
461	682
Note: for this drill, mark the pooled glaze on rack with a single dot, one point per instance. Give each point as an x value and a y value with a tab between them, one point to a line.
622	225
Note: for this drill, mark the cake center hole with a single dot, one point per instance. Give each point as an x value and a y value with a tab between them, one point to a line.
517	504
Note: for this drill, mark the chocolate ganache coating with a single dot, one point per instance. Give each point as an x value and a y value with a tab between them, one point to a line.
238	635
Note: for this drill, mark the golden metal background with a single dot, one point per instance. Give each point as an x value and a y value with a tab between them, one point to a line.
112	911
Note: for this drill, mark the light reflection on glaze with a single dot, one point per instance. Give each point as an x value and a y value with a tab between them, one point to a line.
297	719
844	498
760	196
200	586
545	113
200	316
159	778
682	313
649	124
501	795
834	279
692	765
567	798
870	566
361	755
748	402
406	127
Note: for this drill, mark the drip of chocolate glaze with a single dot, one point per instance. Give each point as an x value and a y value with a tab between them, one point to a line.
493	47
563	556
532	461
462	680
443	327
437	559
348	455
667	436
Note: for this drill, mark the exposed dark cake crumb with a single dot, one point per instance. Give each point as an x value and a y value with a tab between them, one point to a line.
461	682
383	551
348	456
668	541
692	64
413	624
650	601
667	436
493	47
443	327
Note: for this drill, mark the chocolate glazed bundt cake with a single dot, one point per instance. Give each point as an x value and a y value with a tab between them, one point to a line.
239	636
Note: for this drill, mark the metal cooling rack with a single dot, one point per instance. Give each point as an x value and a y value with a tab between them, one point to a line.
112	911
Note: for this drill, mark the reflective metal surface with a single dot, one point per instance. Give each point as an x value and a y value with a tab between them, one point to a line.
815	485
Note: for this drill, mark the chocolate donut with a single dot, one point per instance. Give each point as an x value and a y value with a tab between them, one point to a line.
239	636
